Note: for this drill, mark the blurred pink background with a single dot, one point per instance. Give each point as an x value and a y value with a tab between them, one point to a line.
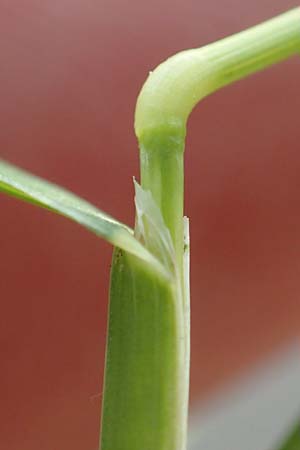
70	75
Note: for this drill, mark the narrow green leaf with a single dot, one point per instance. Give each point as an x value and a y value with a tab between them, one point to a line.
25	186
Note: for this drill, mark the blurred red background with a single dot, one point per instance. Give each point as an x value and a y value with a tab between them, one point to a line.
70	74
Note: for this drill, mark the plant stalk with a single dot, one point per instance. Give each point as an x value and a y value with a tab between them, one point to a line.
178	84
147	364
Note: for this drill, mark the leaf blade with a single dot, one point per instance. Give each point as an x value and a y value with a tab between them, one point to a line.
27	187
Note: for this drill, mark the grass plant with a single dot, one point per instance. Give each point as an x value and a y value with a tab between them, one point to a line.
145	403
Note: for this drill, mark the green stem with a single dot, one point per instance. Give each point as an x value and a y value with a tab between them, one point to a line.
147	365
178	84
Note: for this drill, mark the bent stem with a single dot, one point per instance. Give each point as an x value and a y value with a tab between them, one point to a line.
178	84
146	382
